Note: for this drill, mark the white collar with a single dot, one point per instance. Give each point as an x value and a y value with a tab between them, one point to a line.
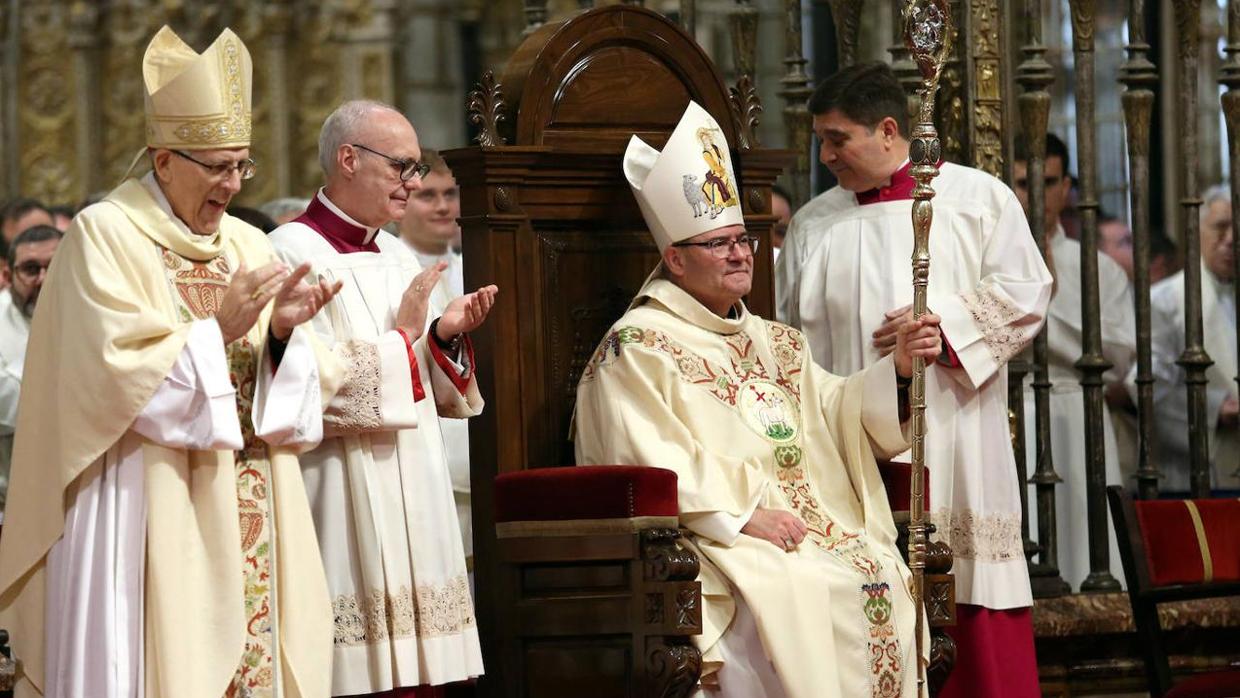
370	232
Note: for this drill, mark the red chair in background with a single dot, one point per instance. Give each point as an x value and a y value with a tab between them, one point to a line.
1175	550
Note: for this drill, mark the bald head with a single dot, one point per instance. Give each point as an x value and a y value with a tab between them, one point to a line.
349	123
363	148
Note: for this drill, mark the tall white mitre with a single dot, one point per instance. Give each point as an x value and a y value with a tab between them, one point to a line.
197	101
689	188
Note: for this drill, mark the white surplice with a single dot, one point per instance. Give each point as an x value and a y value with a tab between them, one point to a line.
95	584
455	431
844	265
1218	315
1067	405
14	332
379	484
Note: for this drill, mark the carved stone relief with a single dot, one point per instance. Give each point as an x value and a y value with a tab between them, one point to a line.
46	109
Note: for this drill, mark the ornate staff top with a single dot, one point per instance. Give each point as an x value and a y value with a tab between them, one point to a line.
928	36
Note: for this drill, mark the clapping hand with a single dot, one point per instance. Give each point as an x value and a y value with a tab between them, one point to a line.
466	314
297	301
411	315
248	293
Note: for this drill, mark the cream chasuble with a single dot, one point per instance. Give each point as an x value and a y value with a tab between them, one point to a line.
844	265
742	415
379	484
233	599
1067	403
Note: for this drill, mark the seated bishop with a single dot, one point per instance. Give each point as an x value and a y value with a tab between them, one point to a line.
804	591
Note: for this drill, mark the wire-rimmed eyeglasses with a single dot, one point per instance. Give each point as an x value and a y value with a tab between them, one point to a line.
408	168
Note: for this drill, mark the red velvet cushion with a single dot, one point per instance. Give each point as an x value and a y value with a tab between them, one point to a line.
1171	541
585	492
895	479
1219	684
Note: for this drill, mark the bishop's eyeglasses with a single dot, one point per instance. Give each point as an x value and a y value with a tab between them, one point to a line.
222	170
722	247
408	168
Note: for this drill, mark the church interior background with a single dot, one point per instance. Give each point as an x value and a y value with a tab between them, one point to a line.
71	120
70	96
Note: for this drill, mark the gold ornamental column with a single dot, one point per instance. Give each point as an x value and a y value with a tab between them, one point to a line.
46	107
795	90
10	56
265	27
127	28
337	54
846	14
83	38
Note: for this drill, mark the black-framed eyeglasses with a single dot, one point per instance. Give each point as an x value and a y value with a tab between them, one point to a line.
722	247
245	168
408	168
30	270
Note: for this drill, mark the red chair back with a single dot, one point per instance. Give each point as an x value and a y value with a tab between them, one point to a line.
1191	541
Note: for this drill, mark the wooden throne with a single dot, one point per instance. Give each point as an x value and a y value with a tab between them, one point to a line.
593	597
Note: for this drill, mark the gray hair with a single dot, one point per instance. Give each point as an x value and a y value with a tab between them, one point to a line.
1218	192
278	208
341	128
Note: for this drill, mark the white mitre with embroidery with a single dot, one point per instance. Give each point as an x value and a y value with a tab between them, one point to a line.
193	101
689	188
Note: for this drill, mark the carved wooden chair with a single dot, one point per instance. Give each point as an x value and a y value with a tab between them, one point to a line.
607	601
581	586
1174	550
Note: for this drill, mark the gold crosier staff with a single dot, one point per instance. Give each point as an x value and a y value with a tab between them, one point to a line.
927	33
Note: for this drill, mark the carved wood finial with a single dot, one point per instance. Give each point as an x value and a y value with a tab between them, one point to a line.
746	109
486	108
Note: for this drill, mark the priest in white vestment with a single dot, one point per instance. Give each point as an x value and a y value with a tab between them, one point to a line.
1064	337
1218	319
845	280
379	484
805	594
158	541
29	256
430	230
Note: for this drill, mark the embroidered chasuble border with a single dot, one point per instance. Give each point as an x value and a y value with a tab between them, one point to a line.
747	386
427	612
197	290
